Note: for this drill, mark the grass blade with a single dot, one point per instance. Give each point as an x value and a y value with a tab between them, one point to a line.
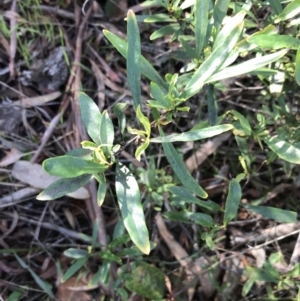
45	286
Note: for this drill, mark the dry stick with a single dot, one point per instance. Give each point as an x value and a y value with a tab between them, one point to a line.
13	40
54	227
296	253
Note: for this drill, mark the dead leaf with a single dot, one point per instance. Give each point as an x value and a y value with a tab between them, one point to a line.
37	101
10	117
17	197
65	292
35	176
206	149
11	157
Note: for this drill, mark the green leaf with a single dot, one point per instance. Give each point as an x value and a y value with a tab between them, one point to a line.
129	200
119	111
75	253
107	134
16	295
232	201
108	255
194	135
231	24
177	216
230	35
88	145
75	267
143	120
45	286
290	11
274	41
146	280
283	149
71	167
279	215
146	67
247	66
91	116
160	96
164	31
276	6
243	121
189	198
201	23
63	186
219	13
297	69
159	18
141	149
202	219
181	171
133	59
101	191
102	275
212	105
80	152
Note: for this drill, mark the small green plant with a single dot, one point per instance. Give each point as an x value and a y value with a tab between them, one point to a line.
212	46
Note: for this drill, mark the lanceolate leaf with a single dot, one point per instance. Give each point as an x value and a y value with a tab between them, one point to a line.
284	150
101	189
220	11
76	266
71	167
279	215
107	134
91	116
290	11
297	70
216	59
189	198
62	187
212	105
181	171
201	16
194	135
274	41
232	201
247	66
224	35
141	149
143	120
133	59
276	6
146	67
119	111
129	200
